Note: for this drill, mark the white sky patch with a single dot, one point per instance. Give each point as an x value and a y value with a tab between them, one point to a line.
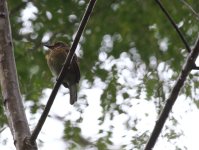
153	62
28	13
52	134
102	56
47	37
72	18
197	61
49	15
164	71
90	123
163	44
6	140
180	24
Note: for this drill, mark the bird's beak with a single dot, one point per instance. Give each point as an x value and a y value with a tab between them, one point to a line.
48	45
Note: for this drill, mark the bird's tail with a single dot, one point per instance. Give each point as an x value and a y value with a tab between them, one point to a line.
73	93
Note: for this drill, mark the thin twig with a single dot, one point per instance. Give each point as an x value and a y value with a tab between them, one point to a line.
174	25
173	96
192	10
63	71
195	68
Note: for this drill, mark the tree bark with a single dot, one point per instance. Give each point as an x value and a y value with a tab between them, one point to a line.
9	85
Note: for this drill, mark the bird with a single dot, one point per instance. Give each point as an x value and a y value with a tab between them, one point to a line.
55	57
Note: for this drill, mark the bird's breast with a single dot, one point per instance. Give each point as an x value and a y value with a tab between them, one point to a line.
55	60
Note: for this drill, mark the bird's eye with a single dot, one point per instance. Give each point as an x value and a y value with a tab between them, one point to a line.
59	45
62	45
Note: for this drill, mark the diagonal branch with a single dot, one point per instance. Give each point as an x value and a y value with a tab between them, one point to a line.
190	62
174	25
63	71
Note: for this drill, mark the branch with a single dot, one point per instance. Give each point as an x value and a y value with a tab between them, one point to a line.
190	62
192	10
195	68
63	71
10	87
174	25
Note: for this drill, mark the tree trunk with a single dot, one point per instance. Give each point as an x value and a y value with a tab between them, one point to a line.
9	85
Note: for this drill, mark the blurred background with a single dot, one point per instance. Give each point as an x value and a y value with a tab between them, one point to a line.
130	57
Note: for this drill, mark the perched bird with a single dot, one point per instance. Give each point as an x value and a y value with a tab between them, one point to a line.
55	59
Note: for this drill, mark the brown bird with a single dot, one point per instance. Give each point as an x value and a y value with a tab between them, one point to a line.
55	58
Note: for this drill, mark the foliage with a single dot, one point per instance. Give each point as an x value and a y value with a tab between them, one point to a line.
135	32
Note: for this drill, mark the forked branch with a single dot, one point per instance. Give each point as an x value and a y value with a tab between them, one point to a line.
188	66
190	62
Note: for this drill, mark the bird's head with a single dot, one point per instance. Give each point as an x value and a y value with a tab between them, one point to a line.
57	45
